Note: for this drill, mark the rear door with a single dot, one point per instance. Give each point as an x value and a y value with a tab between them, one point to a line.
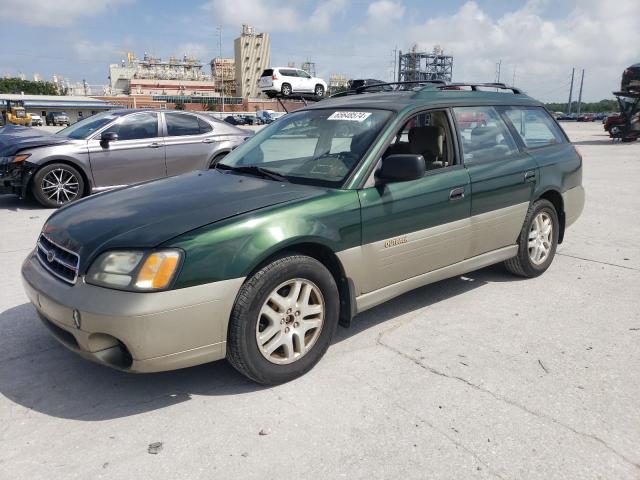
189	142
136	156
503	178
266	79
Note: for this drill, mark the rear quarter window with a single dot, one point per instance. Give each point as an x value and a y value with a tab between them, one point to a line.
534	126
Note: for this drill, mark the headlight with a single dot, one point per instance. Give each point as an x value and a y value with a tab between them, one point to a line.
15	158
135	270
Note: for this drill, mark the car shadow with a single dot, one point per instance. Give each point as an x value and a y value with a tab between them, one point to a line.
40	374
15	203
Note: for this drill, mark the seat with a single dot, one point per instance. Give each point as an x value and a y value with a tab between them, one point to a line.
427	141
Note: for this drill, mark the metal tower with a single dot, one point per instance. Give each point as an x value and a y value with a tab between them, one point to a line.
414	65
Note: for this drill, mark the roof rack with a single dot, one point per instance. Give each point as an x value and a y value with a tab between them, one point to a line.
474	86
410	82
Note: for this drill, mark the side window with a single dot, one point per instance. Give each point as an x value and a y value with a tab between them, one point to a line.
428	134
181	124
303	74
484	134
135	127
534	126
204	126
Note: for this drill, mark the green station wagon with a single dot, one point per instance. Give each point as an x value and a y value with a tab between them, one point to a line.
323	214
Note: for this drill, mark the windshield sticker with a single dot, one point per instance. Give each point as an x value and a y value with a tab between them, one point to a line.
350	116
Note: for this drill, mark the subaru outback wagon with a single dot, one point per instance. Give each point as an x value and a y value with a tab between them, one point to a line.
324	214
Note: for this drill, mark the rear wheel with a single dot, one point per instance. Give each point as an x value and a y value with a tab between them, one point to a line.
216	159
286	89
57	184
283	320
537	242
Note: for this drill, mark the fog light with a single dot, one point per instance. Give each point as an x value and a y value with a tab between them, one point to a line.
77	320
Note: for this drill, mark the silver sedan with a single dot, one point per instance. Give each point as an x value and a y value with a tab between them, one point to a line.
110	150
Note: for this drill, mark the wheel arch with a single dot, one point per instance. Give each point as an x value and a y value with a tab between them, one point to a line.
86	178
555	197
327	257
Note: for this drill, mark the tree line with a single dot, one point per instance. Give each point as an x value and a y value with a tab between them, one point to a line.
587	107
28	87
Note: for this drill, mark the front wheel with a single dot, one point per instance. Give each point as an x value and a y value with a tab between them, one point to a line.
57	184
537	242
319	91
283	320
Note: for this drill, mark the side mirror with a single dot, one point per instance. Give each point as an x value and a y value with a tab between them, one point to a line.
107	137
402	167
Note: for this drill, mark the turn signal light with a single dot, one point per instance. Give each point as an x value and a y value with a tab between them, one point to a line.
157	270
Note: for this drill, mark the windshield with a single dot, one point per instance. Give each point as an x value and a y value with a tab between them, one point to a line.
86	127
316	147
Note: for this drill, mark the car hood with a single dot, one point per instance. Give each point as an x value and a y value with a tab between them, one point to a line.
14	138
149	214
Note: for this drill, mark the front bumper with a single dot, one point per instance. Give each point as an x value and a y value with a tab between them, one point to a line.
135	332
15	177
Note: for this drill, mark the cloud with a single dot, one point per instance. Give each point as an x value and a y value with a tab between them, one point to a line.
384	11
594	36
273	15
59	13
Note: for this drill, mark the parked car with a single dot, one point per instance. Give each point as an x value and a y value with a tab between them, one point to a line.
109	150
566	117
249	119
286	81
259	259
265	116
235	120
36	120
57	118
586	117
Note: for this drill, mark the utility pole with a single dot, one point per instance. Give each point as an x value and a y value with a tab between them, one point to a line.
220	62
580	94
513	81
395	60
498	67
573	71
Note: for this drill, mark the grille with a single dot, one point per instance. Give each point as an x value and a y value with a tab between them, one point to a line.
59	261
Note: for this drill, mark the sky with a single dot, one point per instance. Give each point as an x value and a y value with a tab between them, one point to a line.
538	42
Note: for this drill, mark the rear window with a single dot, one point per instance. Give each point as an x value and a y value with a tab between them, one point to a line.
267	73
535	126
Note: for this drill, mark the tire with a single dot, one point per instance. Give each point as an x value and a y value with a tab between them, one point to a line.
247	321
48	194
216	159
285	90
319	91
523	264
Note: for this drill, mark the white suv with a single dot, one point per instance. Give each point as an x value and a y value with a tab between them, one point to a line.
286	81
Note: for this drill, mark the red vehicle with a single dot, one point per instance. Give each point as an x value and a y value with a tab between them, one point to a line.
586	117
626	125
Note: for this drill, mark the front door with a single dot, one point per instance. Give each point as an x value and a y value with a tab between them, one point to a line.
411	228
502	177
137	155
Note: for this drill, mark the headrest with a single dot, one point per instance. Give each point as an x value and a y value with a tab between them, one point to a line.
484	137
426	139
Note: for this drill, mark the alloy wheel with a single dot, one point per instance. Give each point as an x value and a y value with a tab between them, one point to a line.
290	321
540	238
60	186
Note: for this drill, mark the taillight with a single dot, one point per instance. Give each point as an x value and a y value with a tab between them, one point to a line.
578	152
274	77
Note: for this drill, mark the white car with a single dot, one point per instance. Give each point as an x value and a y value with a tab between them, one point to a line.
286	81
36	120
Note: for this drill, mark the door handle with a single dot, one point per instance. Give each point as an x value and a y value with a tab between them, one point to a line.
530	176
208	140
456	194
154	145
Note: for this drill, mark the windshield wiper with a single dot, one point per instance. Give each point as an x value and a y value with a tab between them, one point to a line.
253	170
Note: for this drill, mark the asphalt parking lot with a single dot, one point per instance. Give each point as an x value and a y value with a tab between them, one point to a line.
481	376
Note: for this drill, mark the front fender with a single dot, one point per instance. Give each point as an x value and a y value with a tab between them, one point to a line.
232	248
